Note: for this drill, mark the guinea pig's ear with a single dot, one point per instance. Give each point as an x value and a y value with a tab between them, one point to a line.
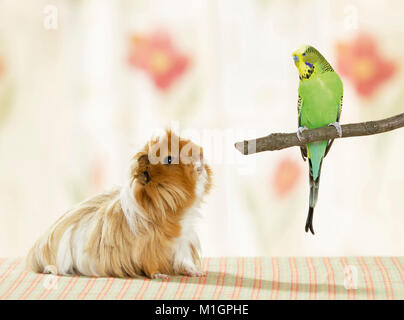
143	160
140	163
141	170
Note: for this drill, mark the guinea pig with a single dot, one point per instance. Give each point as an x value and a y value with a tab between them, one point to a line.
144	228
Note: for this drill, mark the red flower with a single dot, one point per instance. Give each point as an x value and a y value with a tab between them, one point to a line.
286	177
156	54
362	62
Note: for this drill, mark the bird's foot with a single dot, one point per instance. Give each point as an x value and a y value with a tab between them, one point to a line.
299	132
338	127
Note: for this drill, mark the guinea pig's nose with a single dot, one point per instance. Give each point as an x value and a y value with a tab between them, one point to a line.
145	177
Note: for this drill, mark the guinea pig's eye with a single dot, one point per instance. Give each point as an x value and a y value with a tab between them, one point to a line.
168	160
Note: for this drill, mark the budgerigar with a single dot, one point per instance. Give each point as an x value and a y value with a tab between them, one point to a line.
319	105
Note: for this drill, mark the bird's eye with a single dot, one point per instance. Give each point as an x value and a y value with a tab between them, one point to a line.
168	160
303	54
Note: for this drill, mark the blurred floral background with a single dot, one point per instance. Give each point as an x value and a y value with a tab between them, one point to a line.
84	83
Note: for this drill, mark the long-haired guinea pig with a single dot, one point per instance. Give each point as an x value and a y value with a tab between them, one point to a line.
144	228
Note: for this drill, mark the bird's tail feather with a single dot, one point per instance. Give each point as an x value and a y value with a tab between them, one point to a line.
314	187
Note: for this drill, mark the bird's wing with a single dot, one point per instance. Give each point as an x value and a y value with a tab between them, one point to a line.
330	142
303	150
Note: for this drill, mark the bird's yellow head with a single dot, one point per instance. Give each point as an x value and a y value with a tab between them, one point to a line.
308	61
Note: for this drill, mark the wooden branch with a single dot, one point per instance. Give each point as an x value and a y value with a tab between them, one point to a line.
278	141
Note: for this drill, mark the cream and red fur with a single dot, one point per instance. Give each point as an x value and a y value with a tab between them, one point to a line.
145	228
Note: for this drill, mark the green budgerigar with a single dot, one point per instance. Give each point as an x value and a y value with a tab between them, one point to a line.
319	105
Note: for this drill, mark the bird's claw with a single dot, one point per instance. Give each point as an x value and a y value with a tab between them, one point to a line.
300	131
338	127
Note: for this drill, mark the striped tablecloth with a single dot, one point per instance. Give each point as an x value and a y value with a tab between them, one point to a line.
227	278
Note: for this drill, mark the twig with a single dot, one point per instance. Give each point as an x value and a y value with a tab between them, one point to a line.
278	141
